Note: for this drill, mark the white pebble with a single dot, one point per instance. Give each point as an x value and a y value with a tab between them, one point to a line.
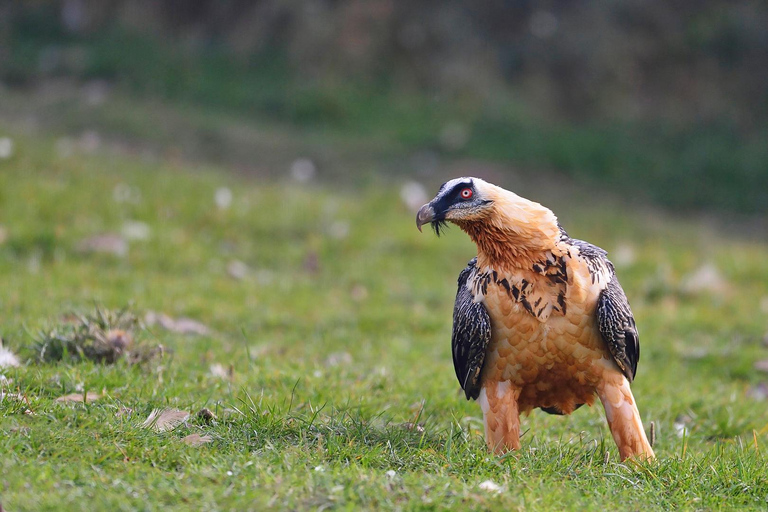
303	170
490	486
6	148
223	198
136	230
7	358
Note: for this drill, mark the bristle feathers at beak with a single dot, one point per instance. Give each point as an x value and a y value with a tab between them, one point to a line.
439	226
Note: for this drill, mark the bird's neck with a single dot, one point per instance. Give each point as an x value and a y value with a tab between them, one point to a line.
515	235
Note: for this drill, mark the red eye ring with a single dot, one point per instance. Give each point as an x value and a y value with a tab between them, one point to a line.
466	193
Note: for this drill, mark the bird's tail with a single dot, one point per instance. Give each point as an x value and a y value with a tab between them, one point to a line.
624	418
500	416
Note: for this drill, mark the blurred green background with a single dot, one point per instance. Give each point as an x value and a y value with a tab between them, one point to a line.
657	102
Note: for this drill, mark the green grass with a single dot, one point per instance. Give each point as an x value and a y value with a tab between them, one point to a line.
338	341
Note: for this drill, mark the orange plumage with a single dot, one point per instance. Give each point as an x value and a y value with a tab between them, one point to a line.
540	319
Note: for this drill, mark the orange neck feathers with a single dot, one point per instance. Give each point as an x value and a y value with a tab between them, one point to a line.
515	232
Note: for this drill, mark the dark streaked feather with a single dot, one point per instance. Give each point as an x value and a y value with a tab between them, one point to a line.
471	335
617	326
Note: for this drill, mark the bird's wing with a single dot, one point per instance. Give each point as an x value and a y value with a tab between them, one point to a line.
471	334
617	326
614	316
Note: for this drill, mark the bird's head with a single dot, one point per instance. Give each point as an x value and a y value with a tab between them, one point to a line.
504	226
459	200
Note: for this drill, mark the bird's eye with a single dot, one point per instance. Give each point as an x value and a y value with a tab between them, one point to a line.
466	193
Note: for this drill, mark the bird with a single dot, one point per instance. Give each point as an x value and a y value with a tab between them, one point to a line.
540	319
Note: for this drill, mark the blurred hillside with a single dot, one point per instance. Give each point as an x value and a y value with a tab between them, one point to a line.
662	102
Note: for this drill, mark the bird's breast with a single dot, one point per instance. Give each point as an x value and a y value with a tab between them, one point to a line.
555	357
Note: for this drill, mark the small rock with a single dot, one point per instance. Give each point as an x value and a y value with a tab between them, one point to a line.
136	230
762	366
6	148
108	243
218	370
179	325
90	396
490	486
238	270
164	420
206	415
196	440
7	357
681	425
223	198
188	326
706	278
338	358
303	170
623	255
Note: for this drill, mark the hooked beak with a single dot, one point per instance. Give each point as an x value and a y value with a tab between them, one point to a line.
426	215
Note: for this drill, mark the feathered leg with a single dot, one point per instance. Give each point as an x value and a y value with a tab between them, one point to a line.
624	418
500	416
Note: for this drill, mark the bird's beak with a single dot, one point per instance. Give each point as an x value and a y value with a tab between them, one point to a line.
426	214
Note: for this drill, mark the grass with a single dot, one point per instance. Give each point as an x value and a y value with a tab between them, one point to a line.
341	392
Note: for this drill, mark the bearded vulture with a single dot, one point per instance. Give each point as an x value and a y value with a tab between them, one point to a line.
540	319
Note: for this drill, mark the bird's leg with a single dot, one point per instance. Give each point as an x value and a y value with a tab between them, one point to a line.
500	416
623	417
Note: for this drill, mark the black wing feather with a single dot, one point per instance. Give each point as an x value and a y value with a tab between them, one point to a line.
471	335
617	326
